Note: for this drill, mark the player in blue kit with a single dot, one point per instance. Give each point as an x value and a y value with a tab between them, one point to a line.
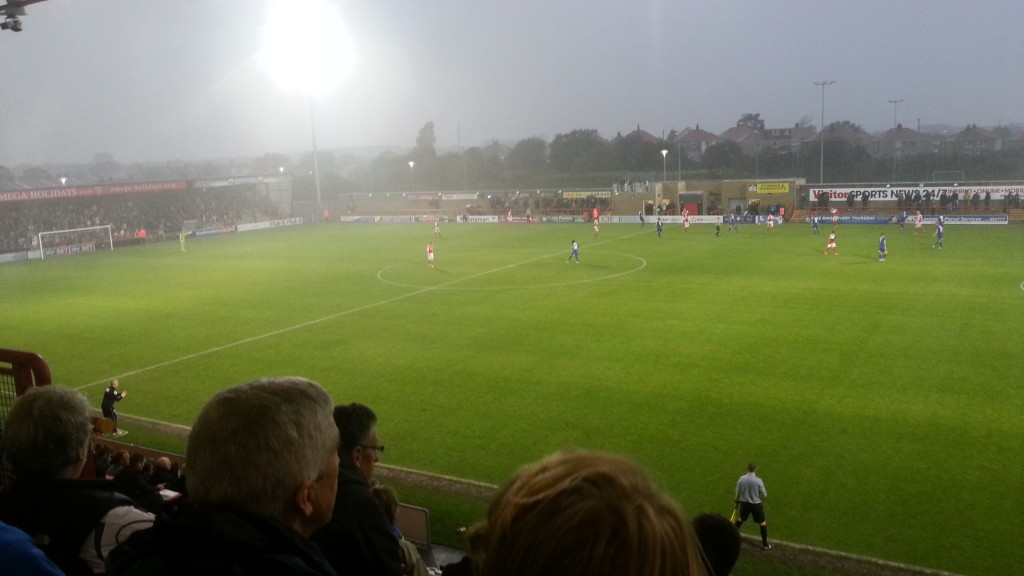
882	252
575	253
659	227
939	233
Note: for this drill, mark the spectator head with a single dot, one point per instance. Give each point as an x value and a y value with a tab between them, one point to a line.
163	463
358	427
751	467
284	422
46	435
720	541
137	461
120	458
586	513
388	500
100	452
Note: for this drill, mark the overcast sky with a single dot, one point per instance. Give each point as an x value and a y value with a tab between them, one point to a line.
153	80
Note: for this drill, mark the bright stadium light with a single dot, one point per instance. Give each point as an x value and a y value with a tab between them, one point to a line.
306	46
307	49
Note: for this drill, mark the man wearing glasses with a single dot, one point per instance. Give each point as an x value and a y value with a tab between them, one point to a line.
358	539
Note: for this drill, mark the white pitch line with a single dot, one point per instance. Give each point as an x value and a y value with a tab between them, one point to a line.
308	323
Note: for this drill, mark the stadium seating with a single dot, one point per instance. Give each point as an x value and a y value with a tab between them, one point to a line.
19	371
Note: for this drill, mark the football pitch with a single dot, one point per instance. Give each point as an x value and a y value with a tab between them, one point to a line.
883	401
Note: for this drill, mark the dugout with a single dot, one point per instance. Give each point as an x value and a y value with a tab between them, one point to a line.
721	196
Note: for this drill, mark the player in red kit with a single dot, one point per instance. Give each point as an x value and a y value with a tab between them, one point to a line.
831	244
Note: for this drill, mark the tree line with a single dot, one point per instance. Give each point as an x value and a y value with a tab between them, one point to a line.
576	159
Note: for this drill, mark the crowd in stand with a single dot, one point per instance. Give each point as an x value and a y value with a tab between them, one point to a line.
313	506
128	214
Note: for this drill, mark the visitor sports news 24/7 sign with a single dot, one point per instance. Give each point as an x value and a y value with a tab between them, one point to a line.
933	192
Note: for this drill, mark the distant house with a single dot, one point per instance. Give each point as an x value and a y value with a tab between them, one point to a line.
786	140
751	141
900	142
641	135
972	140
695	141
844	132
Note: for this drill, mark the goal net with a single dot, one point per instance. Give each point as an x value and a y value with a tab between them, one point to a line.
75	241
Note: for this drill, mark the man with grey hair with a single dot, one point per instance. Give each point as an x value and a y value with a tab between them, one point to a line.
77	523
237	520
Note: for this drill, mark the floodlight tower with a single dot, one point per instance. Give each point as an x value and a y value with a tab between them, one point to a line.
895	122
821	169
664	171
307	49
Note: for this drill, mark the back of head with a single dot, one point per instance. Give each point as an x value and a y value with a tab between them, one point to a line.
137	460
46	434
720	541
252	445
120	458
586	513
387	499
354	422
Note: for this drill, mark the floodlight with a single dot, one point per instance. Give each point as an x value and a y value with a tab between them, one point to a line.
306	46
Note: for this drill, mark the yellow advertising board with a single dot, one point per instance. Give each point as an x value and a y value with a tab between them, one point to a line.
769	188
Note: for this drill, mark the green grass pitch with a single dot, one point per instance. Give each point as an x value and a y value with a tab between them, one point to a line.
882	400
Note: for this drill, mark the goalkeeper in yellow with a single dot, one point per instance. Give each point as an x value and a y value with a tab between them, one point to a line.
181	239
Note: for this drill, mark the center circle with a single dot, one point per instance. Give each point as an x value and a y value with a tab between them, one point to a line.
394	274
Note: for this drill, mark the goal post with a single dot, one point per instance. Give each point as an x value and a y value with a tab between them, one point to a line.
75	241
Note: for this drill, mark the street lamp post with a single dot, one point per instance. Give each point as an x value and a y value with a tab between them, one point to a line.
821	166
895	122
895	103
679	161
664	170
412	175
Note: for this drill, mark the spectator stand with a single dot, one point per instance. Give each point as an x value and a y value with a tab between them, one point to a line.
19	371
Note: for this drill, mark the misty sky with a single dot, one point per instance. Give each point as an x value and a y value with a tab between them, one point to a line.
153	80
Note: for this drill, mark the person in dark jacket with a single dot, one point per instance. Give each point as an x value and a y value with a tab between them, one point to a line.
358	539
131	482
76	523
111	396
237	522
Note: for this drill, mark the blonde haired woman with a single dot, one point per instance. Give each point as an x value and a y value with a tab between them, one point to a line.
585	513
